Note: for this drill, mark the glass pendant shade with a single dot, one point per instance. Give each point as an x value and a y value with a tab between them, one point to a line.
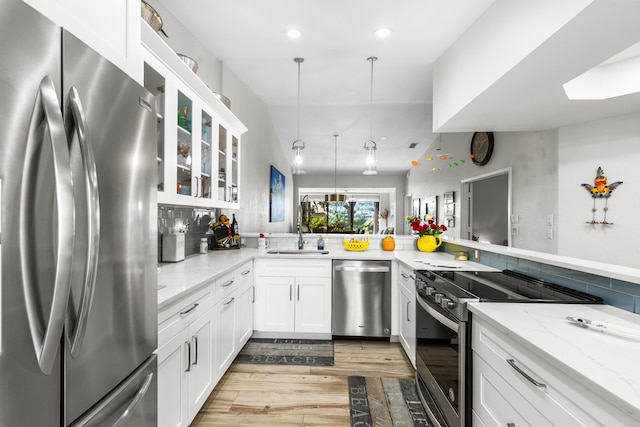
298	160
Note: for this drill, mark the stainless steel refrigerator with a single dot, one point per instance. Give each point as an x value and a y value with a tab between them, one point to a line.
78	309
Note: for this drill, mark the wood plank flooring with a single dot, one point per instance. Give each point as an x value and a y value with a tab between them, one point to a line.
289	395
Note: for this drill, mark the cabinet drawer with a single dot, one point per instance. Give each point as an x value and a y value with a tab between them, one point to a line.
406	277
225	285
559	396
179	315
245	275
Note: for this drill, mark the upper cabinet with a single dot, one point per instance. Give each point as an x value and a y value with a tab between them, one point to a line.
198	146
111	28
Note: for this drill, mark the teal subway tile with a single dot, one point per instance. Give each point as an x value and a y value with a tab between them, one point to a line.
637	309
626	287
509	259
530	265
556	271
614	298
571	284
592	279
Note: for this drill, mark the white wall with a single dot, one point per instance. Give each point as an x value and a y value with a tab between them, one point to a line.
259	147
613	144
533	157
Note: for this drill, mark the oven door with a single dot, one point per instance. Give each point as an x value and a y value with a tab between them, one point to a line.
440	363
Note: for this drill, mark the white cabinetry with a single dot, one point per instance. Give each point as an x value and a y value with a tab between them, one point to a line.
198	137
406	289
234	315
185	358
514	386
293	297
111	28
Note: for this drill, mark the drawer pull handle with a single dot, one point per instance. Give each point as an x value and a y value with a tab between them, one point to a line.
512	362
189	310
404	276
511	424
229	302
244	273
229	283
408	311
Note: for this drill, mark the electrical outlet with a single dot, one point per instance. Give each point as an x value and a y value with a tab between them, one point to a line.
550	219
549	233
243	241
515	230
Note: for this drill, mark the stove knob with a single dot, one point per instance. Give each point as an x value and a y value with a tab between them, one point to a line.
438	298
429	290
447	303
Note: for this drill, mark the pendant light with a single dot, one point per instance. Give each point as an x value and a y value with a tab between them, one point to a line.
298	144
370	145
335	197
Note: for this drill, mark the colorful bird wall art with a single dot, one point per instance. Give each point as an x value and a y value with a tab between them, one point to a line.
600	190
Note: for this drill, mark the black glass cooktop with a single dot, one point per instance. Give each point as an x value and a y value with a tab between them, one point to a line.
510	286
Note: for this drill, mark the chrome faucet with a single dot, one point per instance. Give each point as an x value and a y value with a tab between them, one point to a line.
300	239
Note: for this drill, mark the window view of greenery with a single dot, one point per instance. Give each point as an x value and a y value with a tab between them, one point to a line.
341	217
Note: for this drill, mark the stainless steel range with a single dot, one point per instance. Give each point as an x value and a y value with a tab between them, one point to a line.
443	337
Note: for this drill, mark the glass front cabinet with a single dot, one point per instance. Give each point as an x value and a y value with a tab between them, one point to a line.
198	145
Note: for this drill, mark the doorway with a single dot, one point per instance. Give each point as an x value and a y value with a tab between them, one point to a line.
486	208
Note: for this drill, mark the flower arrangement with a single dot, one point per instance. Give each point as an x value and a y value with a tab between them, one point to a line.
428	228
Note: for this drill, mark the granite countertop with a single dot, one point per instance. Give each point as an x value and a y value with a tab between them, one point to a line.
606	363
177	280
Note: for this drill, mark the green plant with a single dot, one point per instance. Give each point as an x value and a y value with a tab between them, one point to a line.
317	222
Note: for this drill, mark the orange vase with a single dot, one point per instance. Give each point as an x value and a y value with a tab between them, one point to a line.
428	243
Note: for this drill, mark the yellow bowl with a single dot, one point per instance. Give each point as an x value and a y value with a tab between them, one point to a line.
359	246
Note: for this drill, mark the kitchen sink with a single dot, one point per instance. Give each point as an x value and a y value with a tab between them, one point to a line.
296	252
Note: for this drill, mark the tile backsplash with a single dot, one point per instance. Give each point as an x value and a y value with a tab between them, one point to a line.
193	222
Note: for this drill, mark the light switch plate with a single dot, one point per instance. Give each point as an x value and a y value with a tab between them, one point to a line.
550	219
514	219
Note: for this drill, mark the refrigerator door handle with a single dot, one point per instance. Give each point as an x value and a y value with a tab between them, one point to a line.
76	320
134	402
47	116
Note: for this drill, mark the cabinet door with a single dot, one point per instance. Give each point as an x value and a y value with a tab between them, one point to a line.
244	316
202	373
313	304
408	323
275	309
173	382
225	340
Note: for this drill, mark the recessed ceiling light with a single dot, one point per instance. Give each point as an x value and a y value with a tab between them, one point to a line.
294	33
383	32
383	138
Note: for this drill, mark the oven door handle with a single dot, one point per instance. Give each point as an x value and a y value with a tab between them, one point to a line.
451	324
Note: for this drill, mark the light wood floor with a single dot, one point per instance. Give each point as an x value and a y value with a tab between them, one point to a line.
285	395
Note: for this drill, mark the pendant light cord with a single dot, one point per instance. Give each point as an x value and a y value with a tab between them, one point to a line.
299	61
372	59
335	166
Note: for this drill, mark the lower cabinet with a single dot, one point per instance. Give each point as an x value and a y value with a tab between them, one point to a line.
293	297
406	289
185	372
198	338
513	386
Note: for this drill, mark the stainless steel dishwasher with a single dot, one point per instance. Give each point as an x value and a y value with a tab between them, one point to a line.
361	298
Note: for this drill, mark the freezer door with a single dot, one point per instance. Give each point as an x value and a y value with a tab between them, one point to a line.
30	50
111	327
132	404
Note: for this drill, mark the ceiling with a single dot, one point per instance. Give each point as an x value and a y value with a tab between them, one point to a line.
335	77
510	63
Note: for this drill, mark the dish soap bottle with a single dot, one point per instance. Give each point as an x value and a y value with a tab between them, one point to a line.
320	243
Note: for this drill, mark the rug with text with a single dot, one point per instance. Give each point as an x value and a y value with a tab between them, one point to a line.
385	402
287	352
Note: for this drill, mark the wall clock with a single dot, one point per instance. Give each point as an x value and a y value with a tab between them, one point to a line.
481	147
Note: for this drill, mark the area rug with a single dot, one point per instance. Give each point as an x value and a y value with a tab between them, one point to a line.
385	402
287	352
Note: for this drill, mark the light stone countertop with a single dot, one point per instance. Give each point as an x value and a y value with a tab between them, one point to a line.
177	280
606	363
